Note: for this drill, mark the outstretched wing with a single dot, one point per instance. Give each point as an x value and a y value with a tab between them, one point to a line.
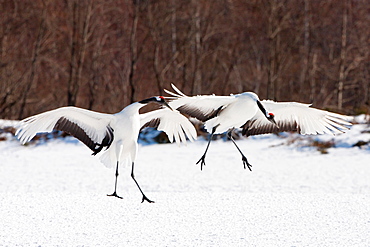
201	107
176	126
91	128
292	116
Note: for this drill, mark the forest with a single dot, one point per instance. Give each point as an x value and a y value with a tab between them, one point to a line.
105	54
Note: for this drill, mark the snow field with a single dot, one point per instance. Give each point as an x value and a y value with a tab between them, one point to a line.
54	194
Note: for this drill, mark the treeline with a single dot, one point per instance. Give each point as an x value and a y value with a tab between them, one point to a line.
105	54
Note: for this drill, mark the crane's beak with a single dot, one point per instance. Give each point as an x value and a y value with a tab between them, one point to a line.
162	101
274	122
166	104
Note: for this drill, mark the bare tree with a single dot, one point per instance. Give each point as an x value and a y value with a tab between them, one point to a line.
81	17
306	50
104	54
278	50
196	49
343	55
34	63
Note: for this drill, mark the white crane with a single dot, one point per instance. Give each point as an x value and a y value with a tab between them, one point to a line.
118	133
246	111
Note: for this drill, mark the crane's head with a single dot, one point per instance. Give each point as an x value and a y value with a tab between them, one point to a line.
157	99
270	116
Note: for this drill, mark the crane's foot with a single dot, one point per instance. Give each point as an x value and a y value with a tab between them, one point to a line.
202	162
115	194
146	199
246	163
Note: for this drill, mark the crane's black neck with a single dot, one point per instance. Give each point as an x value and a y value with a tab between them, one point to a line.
262	108
159	100
146	101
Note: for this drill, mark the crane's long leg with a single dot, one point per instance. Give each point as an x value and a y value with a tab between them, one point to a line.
245	161
202	159
115	185
133	177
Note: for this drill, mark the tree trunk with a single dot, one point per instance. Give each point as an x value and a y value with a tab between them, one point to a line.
343	55
80	25
197	77
34	61
133	52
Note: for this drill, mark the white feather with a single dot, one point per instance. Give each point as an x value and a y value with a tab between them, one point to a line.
173	123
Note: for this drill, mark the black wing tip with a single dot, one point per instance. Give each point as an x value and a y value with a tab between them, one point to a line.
153	123
198	114
250	128
64	124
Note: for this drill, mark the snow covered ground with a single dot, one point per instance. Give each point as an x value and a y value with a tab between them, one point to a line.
54	194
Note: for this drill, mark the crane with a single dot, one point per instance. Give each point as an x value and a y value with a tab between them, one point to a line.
117	133
225	113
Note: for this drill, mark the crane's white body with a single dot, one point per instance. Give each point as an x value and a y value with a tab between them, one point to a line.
126	125
118	133
246	111
241	111
228	120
